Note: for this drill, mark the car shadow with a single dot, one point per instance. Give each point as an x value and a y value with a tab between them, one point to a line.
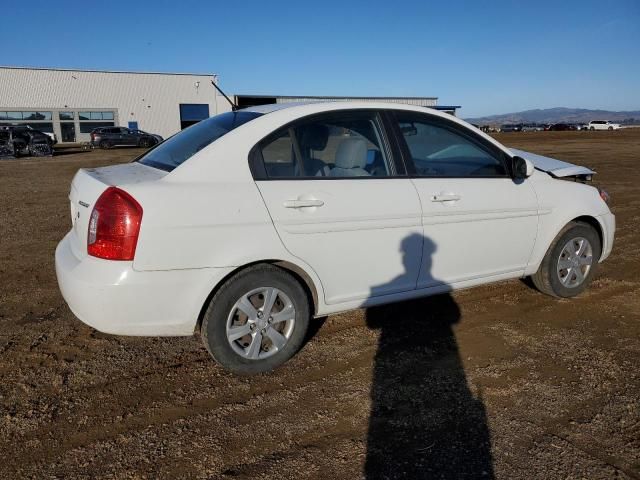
425	422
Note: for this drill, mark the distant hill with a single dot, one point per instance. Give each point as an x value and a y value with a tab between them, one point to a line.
558	115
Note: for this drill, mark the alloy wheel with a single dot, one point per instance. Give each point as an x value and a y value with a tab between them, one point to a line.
260	323
574	262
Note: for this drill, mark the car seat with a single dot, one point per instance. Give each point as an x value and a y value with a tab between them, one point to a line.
313	137
351	159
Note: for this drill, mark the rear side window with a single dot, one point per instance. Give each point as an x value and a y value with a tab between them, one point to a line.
183	145
440	150
337	145
279	156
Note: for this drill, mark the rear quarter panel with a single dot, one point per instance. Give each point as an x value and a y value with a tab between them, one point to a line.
202	224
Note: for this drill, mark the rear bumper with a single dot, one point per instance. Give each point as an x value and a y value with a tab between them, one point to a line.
112	297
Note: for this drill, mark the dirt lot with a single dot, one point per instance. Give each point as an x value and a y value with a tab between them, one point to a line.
496	381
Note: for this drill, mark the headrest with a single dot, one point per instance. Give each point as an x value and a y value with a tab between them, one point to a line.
352	153
313	136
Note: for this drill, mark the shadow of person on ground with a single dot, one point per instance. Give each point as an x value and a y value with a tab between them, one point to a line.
424	422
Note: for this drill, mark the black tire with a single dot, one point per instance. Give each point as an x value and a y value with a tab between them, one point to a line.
106	144
547	280
144	143
610	128
221	306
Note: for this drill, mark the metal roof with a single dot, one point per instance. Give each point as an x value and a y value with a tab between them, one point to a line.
55	69
333	97
273	107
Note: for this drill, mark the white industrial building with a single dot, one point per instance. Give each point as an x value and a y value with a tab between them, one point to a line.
70	103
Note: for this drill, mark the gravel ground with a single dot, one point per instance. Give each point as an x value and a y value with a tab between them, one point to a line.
498	381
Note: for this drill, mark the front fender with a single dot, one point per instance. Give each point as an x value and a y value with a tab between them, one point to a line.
560	202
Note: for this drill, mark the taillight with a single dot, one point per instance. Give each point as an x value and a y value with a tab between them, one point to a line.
114	226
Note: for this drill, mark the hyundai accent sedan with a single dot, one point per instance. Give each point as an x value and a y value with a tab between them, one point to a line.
246	225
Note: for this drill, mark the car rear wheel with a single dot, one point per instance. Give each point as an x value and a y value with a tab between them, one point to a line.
106	144
256	321
570	263
144	143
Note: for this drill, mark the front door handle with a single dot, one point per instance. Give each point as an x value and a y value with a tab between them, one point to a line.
445	197
303	203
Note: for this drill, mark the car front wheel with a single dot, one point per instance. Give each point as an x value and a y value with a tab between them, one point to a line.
257	320
570	263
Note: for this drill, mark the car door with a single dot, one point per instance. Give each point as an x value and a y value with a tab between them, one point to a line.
128	137
478	222
342	203
114	135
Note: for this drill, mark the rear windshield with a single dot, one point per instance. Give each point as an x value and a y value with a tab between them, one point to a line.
183	145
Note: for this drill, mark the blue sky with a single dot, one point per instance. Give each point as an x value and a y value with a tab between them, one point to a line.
490	56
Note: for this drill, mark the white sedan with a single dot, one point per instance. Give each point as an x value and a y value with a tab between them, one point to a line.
244	226
603	125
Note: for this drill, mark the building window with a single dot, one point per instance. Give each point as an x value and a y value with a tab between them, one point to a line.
65	115
95	115
25	115
191	113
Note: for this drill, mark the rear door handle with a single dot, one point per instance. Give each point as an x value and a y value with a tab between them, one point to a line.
302	203
445	197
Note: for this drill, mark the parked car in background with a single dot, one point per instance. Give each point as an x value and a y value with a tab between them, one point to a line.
108	137
245	225
16	141
142	133
603	125
18	126
532	128
581	126
511	128
561	127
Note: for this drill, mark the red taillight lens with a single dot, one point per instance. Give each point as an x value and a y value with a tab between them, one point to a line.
114	226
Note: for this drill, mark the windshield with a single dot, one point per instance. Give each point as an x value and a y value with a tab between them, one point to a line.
183	145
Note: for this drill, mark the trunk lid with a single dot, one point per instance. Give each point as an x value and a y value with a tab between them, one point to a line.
555	168
87	186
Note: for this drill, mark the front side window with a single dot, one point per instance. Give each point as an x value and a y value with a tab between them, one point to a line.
343	145
174	151
440	150
42	126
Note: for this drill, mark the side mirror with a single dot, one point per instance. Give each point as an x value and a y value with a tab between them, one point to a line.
521	167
